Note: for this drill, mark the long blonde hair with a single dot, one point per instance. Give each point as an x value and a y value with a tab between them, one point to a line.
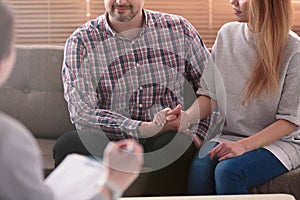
269	22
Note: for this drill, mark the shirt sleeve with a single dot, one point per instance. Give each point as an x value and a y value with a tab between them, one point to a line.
197	56
289	106
80	93
211	75
20	167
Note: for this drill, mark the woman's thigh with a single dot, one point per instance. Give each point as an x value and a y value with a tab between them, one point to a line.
253	168
201	176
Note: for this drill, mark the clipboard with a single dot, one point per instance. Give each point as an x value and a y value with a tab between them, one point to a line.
77	177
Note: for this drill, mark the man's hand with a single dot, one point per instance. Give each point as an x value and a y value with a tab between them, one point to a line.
162	122
175	120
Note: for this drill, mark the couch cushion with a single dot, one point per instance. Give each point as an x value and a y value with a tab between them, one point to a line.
34	92
46	145
287	183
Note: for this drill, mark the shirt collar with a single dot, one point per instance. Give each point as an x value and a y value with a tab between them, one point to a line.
108	28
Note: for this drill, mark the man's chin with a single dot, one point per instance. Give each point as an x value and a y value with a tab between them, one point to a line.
121	18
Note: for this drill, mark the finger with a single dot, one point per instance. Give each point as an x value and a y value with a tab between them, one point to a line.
215	151
178	108
212	153
123	143
175	111
222	153
167	109
225	157
171	117
225	151
129	145
159	118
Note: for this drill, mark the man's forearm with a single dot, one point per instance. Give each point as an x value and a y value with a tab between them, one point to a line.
149	129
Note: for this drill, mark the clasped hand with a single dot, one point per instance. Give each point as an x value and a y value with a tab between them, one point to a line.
175	120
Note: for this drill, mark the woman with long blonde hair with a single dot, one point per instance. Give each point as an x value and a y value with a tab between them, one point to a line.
258	59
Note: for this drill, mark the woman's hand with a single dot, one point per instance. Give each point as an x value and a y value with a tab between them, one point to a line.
227	150
178	120
172	120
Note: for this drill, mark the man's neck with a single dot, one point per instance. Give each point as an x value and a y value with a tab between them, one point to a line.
129	29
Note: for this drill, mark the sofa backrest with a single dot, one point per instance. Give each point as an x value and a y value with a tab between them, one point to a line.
34	92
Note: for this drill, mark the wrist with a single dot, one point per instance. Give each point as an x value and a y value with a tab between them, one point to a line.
187	118
114	191
244	143
149	129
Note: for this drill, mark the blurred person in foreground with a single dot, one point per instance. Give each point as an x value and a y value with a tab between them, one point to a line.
21	175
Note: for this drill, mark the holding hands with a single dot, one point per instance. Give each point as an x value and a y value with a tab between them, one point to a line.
175	120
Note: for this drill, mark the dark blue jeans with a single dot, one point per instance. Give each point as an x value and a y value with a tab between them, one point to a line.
234	175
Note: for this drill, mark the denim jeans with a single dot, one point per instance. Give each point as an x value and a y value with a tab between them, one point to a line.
234	175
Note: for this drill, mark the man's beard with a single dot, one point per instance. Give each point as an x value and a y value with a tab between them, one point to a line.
121	18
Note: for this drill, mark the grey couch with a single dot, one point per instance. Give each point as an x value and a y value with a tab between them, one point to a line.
34	95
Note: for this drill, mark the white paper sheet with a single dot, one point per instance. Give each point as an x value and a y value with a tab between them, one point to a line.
77	177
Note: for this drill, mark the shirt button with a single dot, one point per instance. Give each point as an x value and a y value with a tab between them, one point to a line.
140	105
141	88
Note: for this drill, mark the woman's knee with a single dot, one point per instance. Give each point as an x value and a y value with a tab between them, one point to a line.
228	169
200	164
230	178
201	180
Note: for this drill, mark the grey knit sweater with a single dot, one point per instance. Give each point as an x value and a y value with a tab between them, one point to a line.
233	54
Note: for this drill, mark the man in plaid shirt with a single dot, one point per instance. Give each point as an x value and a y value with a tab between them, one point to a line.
122	68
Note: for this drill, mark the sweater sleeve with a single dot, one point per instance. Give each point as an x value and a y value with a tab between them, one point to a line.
289	106
20	167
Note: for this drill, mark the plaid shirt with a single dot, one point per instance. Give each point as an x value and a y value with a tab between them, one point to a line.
116	84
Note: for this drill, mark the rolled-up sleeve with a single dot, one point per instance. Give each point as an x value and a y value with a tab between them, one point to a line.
289	106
